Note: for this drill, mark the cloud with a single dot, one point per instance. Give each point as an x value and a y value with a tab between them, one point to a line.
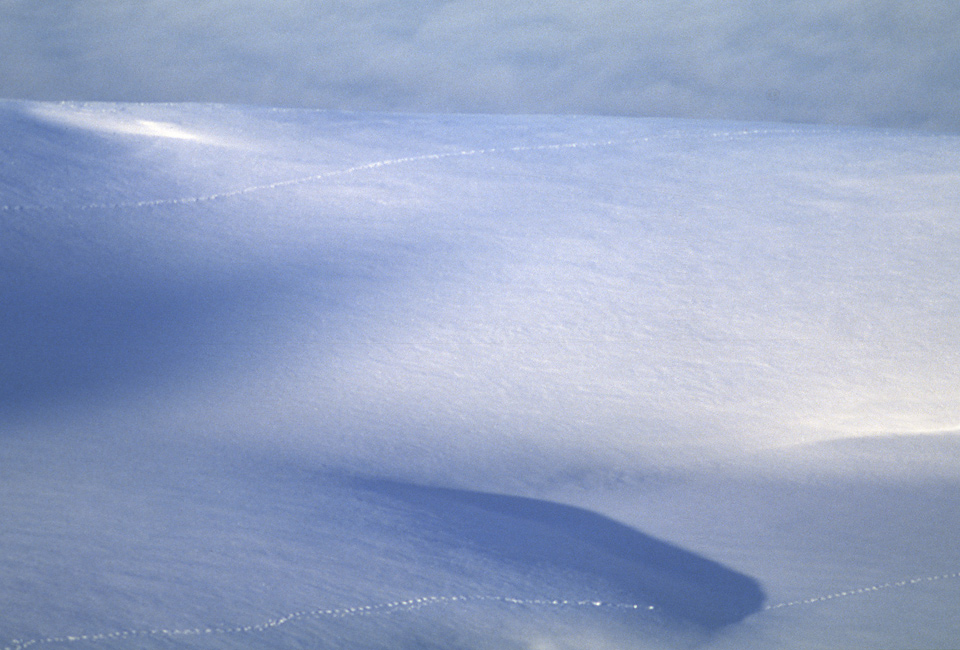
878	63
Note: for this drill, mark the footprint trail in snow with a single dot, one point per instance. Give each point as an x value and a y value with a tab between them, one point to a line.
291	182
425	601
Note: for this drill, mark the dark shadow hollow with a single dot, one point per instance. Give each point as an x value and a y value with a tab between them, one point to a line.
682	585
104	323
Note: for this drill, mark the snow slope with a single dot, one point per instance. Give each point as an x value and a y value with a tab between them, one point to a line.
277	378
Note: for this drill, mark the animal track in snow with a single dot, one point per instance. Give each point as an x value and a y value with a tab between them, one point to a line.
369	166
416	603
383	608
863	590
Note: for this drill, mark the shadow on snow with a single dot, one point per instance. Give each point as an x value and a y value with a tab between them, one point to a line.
682	585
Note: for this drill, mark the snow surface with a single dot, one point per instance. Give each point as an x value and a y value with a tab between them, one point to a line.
284	378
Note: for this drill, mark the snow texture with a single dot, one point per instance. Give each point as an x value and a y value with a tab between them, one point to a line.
289	378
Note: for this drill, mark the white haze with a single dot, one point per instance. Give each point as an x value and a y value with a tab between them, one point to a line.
886	63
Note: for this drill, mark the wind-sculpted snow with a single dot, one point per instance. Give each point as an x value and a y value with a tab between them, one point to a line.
283	378
676	583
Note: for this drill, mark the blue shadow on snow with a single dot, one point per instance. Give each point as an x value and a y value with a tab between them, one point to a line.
681	585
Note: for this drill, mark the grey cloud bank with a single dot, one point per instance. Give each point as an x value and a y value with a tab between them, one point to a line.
875	63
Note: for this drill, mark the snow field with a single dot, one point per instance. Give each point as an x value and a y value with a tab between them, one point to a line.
738	340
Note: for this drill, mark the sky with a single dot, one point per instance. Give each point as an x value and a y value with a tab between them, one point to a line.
875	63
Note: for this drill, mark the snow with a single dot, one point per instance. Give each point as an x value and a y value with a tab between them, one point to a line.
115	122
284	377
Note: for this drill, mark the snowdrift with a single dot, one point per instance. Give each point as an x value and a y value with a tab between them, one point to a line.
283	378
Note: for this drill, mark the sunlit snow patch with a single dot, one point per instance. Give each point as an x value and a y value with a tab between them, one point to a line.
111	120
